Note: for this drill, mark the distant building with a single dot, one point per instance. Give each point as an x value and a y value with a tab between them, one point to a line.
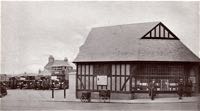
125	58
4	77
58	68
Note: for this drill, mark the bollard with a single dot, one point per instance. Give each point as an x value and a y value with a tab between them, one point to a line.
52	92
64	92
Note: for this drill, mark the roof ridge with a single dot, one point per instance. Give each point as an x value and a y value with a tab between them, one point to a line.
126	24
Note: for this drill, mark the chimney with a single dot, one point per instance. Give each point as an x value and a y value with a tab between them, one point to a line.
66	59
51	58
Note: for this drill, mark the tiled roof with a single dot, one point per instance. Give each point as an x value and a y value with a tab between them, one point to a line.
124	43
57	63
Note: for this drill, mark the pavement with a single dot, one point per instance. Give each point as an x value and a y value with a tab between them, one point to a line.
194	99
45	95
23	100
137	101
28	99
70	97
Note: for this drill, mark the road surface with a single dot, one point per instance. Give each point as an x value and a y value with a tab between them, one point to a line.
18	100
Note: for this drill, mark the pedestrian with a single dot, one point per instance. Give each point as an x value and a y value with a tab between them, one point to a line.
188	86
21	85
152	89
180	88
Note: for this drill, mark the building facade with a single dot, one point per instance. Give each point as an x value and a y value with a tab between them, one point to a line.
125	58
59	69
3	78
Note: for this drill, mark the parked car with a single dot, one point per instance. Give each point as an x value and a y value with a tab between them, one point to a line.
3	90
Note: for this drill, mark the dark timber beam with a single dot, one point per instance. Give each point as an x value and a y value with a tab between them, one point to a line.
85	76
163	32
150	34
93	77
77	81
120	76
89	76
81	75
125	75
115	77
124	85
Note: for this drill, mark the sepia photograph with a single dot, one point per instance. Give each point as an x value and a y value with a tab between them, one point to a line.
100	55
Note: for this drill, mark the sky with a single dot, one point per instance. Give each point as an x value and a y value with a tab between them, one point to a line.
31	31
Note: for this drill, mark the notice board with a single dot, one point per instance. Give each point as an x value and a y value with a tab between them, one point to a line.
102	80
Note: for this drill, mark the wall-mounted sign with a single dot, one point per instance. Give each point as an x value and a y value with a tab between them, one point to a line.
102	80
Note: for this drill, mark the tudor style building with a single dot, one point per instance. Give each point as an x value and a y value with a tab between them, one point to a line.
125	58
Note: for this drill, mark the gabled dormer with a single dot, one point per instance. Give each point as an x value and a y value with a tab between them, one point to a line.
160	31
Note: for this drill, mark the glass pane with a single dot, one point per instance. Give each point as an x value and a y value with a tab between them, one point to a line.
108	86
79	84
122	69
87	82
95	83
83	69
91	82
127	69
113	69
79	69
118	83
118	69
122	82
91	69
113	84
87	69
128	85
83	81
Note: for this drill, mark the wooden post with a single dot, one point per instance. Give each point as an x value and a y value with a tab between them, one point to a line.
76	79
125	74
64	92
115	77
52	92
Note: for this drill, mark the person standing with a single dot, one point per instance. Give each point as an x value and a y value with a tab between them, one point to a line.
180	88
188	88
152	89
21	85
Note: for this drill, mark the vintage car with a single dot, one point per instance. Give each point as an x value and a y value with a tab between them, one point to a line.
3	90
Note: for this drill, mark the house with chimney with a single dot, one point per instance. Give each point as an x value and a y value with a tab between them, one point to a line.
59	69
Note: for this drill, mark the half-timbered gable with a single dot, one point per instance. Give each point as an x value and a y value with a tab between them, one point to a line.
160	31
